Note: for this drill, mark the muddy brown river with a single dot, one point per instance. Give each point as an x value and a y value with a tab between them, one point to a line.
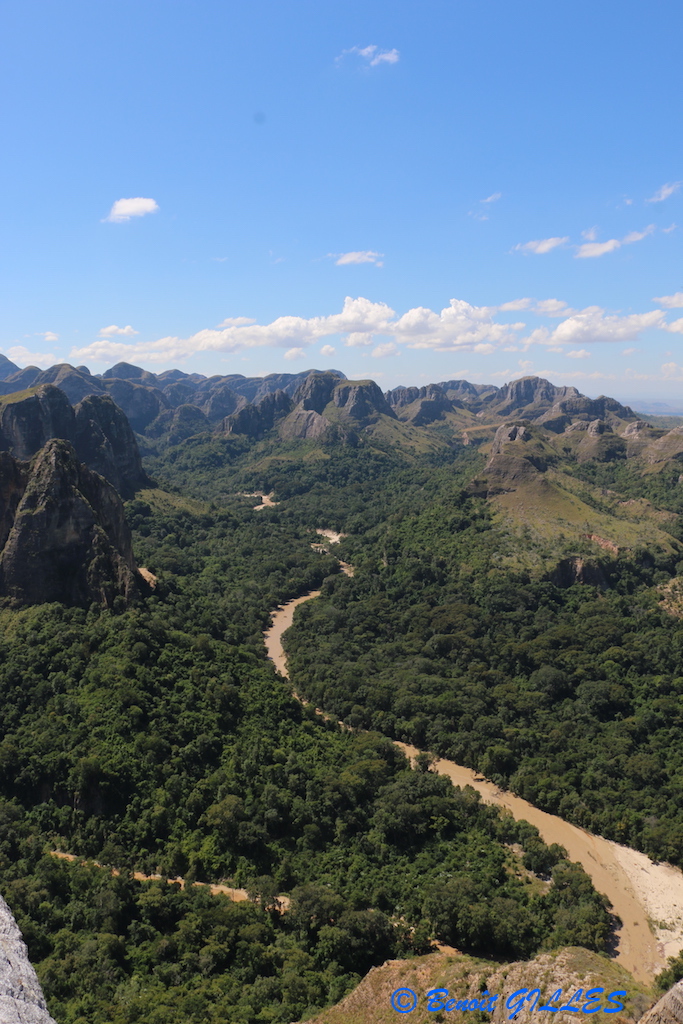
615	870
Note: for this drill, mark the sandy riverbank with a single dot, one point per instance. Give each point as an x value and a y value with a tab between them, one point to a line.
647	897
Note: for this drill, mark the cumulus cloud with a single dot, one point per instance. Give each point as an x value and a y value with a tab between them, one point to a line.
670	301
372	55
542	307
49	336
460	326
540	246
580	353
343	259
593	325
591	250
108	332
387	349
664	192
124	209
20	355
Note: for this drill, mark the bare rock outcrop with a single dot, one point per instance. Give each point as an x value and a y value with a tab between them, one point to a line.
256	420
421	406
669	1009
21	997
97	428
65	534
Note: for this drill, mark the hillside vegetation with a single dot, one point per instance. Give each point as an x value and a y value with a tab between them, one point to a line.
513	608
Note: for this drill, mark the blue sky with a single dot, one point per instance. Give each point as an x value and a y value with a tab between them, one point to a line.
408	191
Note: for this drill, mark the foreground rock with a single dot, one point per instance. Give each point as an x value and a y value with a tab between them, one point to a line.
63	534
21	997
465	977
669	1009
97	428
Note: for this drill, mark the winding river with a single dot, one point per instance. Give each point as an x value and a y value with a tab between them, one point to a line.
636	887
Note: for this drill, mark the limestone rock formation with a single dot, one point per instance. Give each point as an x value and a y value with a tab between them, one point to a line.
669	1009
256	420
21	997
64	532
97	428
421	406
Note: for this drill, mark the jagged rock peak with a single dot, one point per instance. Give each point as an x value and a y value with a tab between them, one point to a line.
97	428
21	997
256	420
315	392
362	400
509	432
66	537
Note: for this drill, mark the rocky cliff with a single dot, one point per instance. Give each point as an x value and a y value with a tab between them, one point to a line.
64	532
669	1009
97	428
21	997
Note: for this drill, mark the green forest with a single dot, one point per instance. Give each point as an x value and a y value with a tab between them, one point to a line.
157	737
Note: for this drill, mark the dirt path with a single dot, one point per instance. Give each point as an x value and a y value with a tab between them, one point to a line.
266	500
636	887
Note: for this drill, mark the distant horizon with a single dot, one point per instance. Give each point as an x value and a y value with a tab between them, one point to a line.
652	404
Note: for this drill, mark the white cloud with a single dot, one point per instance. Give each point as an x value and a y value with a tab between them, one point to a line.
295	353
540	246
593	249
592	325
327	350
20	355
363	324
553	308
515	305
236	321
492	198
590	235
343	259
387	349
458	326
629	351
49	336
670	301
672	371
664	192
108	332
124	209
637	236
372	55
671	227
542	307
580	353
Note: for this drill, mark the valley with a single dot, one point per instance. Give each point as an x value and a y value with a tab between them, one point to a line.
495	577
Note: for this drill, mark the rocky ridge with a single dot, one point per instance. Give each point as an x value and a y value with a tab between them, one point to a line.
97	428
63	532
21	997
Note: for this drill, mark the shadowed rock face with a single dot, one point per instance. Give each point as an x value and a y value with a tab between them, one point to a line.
97	428
65	534
421	406
21	997
669	1009
256	420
